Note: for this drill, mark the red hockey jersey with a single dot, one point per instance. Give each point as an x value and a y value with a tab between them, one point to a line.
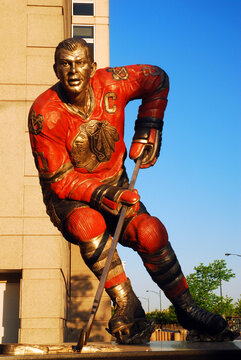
75	155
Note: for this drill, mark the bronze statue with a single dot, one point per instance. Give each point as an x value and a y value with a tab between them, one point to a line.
76	130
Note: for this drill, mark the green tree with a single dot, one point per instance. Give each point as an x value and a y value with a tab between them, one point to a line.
224	306
167	316
205	280
237	307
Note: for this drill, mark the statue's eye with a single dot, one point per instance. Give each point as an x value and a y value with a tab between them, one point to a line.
64	63
80	62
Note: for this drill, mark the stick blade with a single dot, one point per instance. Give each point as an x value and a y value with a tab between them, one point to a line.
81	341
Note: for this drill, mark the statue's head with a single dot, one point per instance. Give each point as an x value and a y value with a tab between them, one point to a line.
74	65
72	44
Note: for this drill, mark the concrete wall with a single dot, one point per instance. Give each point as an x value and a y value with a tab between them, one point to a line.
32	249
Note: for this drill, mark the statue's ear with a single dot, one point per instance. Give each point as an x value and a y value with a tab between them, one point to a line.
93	69
55	70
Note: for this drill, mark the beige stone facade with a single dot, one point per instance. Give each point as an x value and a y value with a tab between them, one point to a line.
45	289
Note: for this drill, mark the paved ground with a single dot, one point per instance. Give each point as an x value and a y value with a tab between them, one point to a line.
171	350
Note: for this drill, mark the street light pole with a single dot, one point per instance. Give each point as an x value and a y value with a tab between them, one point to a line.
159	294
148	303
228	254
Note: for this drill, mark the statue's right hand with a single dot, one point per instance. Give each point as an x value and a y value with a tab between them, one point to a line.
111	199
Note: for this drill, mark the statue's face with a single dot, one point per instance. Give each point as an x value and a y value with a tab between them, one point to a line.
74	70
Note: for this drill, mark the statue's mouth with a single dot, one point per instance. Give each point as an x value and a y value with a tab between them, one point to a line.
74	81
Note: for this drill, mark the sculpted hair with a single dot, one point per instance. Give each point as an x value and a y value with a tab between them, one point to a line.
72	44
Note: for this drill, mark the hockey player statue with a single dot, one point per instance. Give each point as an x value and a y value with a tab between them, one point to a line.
76	130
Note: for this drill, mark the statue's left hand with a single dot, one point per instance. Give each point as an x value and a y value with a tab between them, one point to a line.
112	198
146	142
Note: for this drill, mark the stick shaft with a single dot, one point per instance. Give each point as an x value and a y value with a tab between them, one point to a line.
116	236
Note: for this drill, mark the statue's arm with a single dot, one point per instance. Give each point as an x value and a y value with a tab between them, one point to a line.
152	86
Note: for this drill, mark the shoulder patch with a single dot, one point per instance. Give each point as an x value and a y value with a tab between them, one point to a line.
35	123
151	70
119	73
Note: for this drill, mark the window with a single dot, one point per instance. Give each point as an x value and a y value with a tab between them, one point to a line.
9	307
86	32
83	7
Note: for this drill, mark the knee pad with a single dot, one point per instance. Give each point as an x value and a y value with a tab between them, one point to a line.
147	232
84	224
88	228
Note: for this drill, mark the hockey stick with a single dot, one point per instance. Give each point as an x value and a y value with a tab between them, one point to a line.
85	333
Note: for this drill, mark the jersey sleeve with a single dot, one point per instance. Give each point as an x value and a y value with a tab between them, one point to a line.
151	84
48	130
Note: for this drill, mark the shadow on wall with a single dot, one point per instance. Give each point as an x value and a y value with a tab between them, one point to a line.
79	307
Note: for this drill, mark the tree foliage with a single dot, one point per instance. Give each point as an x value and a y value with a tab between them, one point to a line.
237	307
167	316
205	280
202	284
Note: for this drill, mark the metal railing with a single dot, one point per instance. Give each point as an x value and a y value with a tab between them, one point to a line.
170	332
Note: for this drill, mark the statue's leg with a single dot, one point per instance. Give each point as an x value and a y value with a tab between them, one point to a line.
150	239
87	227
128	324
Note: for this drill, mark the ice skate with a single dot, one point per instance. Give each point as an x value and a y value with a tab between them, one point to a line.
202	324
128	324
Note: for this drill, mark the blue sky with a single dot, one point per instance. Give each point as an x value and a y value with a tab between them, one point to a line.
195	186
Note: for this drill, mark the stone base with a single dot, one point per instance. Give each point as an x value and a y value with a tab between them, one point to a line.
176	350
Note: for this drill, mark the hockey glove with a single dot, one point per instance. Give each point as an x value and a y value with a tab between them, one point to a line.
147	141
111	198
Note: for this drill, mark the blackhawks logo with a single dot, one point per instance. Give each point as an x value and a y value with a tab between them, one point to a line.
35	123
94	144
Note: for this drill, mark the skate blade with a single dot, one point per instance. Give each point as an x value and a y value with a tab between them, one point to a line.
225	335
122	333
134	334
